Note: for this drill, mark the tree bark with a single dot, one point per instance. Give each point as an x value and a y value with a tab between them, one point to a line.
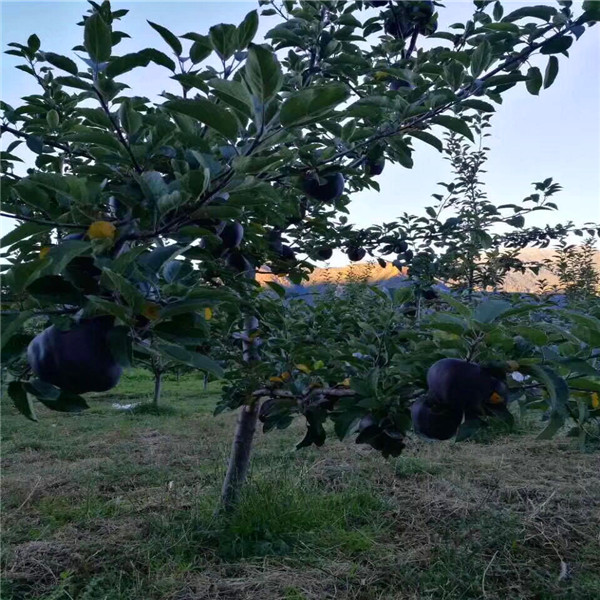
157	388
239	458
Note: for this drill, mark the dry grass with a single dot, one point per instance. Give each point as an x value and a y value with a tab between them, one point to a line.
117	506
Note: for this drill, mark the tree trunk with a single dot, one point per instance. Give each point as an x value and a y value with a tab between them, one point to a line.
205	381
157	388
239	458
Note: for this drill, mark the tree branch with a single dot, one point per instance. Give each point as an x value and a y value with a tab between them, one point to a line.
118	131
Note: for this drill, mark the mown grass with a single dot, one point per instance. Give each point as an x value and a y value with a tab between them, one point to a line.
115	505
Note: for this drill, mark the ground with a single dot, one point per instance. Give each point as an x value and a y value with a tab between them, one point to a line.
113	505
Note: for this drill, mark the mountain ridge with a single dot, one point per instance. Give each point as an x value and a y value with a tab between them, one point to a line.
374	274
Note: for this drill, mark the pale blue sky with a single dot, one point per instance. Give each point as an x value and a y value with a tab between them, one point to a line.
554	135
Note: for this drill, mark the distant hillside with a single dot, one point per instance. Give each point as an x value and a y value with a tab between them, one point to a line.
515	282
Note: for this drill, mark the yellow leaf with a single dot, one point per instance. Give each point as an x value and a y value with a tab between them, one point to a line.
99	230
346	382
303	368
44	252
275	380
496	398
286	376
318	365
381	75
208	313
595	400
151	311
512	365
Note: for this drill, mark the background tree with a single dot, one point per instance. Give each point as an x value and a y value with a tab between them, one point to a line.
578	276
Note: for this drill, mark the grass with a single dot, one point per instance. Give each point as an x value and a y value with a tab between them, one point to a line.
115	505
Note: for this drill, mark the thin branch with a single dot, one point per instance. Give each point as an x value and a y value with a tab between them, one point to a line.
118	131
42	221
46	141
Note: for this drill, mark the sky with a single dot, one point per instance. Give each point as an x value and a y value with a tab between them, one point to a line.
555	134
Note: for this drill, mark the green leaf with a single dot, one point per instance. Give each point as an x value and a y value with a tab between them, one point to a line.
428	138
97	38
233	94
478	105
489	310
192	359
449	323
160	58
13	324
154	260
74	82
97	305
22	232
97	116
120	345
130	120
56	289
592	9
401	151
458	306
556	386
551	71
201	49
482	238
534	80
511	27
537	12
66	402
52	119
181	307
127	62
95	137
127	290
313	103
247	30
585	383
481	58
534	335
557	45
585	320
224	40
346	421
18	394
33	43
556	422
214	116
263	72
169	37
61	62
277	288
498	10
64	253
197	181
516	221
454	124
